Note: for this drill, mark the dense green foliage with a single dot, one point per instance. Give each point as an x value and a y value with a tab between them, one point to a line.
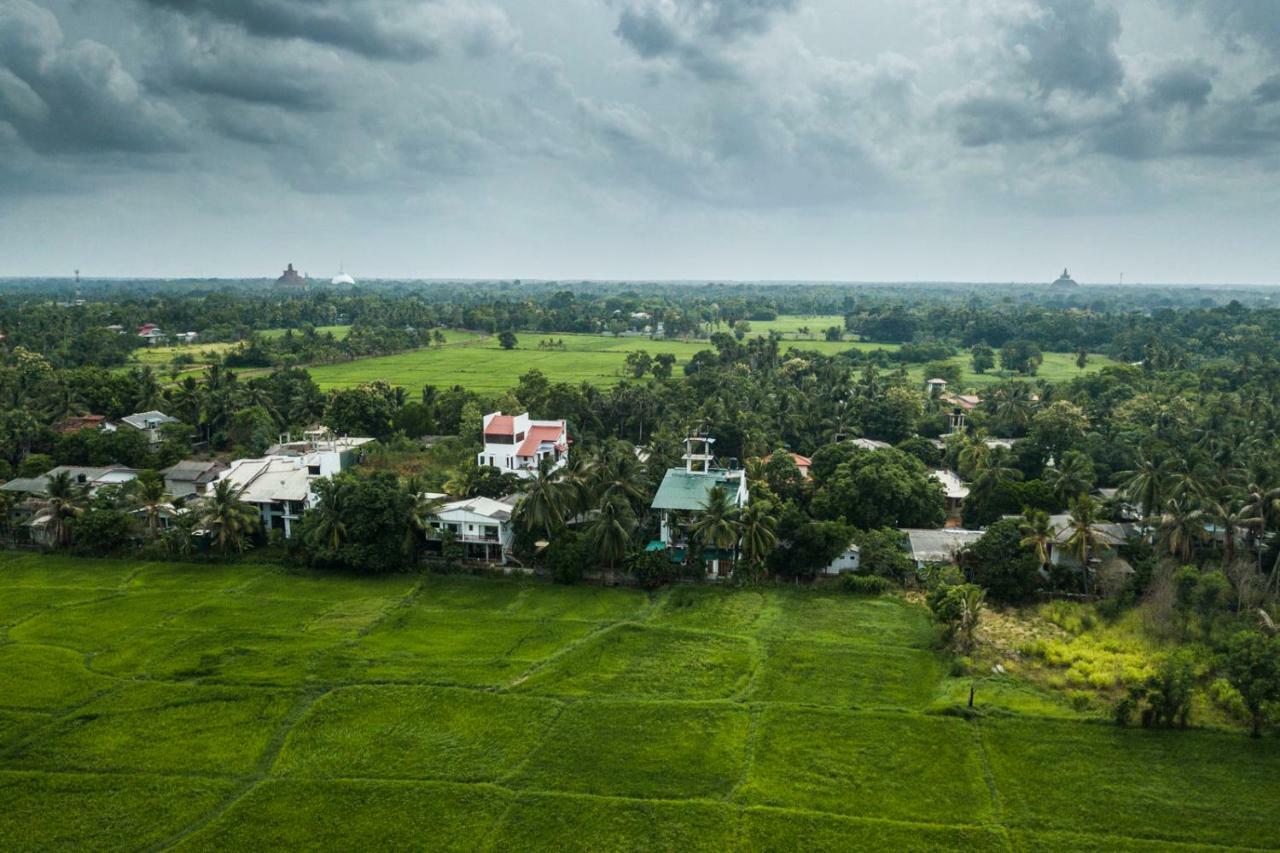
241	706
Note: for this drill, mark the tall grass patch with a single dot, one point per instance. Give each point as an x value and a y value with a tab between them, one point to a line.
91	812
1158	784
569	823
156	728
847	675
895	766
365	815
45	678
650	663
832	617
770	829
651	749
393	731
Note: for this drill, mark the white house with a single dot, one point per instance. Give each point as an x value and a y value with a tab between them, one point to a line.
280	484
90	479
277	485
323	453
954	491
149	423
514	444
683	495
939	546
847	561
482	526
191	476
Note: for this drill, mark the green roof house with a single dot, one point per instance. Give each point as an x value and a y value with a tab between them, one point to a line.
684	492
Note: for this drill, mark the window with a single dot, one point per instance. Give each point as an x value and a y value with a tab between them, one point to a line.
313	470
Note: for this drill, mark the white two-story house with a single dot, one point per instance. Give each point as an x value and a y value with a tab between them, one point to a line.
514	444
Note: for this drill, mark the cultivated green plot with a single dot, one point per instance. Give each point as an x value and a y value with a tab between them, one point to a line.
1155	784
226	655
46	678
364	815
1005	694
652	749
18	603
250	613
65	811
394	731
577	823
452	593
850	676
101	624
714	609
450	648
832	617
1062	842
273	582
768	829
155	728
45	570
16	724
153	577
649	662
895	766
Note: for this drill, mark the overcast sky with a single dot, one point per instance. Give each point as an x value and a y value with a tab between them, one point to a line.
867	140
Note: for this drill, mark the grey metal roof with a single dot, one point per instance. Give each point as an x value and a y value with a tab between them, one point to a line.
939	546
138	420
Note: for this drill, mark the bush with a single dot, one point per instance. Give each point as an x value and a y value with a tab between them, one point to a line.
567	558
652	569
865	584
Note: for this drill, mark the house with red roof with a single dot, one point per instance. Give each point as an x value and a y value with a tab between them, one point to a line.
514	444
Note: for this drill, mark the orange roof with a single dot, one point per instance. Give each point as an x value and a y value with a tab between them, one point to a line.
537	435
801	461
79	422
501	425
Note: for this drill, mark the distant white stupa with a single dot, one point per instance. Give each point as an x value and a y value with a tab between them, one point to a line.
342	277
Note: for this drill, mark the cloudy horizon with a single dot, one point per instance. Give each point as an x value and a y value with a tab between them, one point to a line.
933	140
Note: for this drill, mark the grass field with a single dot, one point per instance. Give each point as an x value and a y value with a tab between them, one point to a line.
480	364
156	706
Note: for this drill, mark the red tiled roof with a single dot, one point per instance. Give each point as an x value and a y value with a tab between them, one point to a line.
79	422
501	425
801	461
537	435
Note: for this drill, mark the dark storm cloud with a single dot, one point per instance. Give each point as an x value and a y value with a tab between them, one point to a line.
382	29
1183	85
1069	44
75	98
222	61
693	33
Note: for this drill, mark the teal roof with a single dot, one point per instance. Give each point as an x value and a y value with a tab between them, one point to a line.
681	489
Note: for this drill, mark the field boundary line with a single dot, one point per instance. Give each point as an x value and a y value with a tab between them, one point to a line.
574	645
755	712
988	776
262	771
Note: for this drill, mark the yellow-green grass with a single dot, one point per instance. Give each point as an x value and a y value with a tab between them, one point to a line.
481	364
148	705
1057	367
339	332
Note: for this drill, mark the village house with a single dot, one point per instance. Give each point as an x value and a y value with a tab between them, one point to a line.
804	463
90	478
514	444
683	495
151	334
933	547
482	526
148	422
954	491
191	477
280	484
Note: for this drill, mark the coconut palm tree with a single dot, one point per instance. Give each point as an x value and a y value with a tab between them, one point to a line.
148	494
1072	477
422	508
229	519
1181	526
545	500
716	526
1230	518
1037	534
1264	505
326	528
758	524
64	499
1145	485
1083	538
609	533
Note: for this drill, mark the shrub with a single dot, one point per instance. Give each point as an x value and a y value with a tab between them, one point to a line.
652	569
865	584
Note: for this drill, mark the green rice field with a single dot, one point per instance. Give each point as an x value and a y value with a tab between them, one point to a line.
480	364
151	706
